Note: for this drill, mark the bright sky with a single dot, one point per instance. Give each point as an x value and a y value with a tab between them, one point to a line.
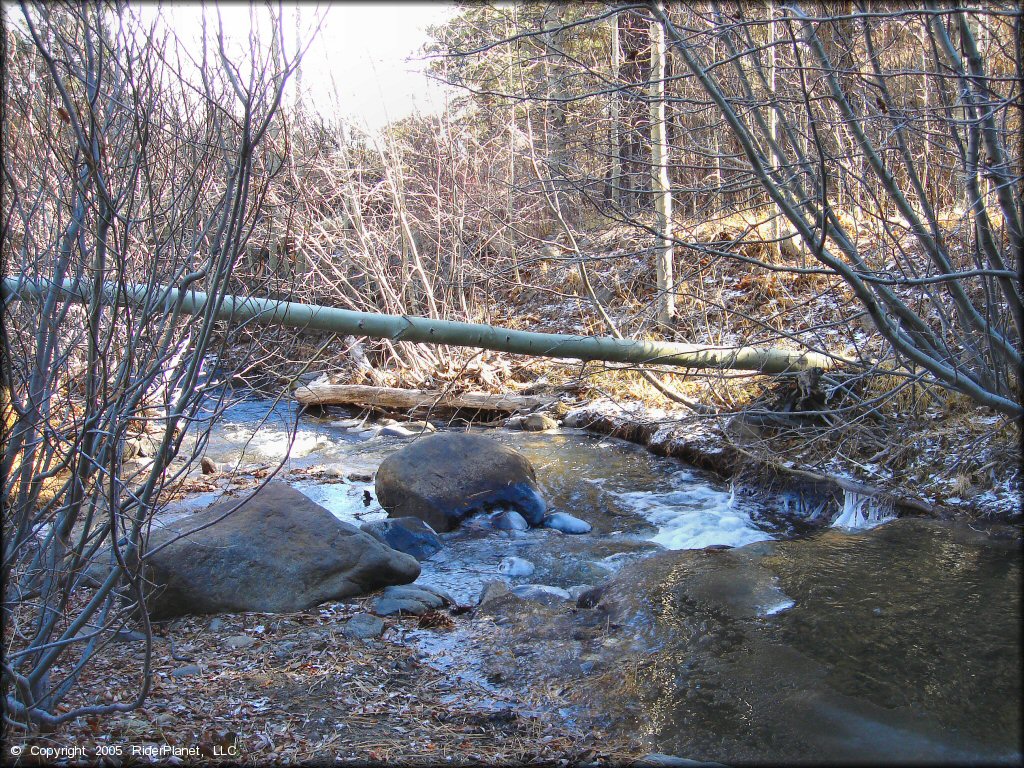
364	48
362	65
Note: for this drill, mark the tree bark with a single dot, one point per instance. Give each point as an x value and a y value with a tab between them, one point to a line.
660	184
635	131
429	331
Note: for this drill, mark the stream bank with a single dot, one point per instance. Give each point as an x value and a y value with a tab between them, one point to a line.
715	621
703	443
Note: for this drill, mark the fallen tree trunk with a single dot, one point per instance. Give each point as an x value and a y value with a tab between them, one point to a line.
390	397
240	309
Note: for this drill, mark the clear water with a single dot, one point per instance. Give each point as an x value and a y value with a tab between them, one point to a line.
899	644
872	640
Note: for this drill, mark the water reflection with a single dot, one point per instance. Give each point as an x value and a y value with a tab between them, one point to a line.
903	645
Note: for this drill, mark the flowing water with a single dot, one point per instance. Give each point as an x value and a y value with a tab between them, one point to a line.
866	640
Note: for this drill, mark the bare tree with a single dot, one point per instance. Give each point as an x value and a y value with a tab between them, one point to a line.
129	163
954	312
903	207
661	185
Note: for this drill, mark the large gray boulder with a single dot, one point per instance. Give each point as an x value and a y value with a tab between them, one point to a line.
278	552
443	478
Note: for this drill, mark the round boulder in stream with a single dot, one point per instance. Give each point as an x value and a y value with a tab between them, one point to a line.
443	478
275	552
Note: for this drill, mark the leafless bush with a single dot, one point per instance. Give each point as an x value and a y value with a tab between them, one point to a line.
130	163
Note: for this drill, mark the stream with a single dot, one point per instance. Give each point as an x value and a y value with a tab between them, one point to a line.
863	637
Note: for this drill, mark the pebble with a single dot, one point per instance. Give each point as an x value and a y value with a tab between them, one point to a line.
538	422
186	671
492	590
579	589
284	650
389	606
129	636
566	523
542	593
515	567
442	593
363	626
238	642
412	592
659	760
420	426
396	430
216	624
510	520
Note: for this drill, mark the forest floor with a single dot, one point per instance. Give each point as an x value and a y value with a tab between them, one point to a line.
291	689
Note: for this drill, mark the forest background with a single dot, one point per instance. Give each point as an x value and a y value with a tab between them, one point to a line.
834	178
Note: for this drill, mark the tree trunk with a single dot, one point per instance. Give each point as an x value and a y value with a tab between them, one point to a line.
660	184
774	213
614	195
428	331
635	135
554	115
391	397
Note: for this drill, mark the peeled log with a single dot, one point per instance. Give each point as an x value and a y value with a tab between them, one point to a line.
239	309
390	397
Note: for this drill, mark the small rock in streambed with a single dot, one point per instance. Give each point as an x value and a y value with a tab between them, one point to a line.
579	589
538	422
534	422
492	590
442	593
360	477
389	606
591	597
515	567
363	626
396	430
420	426
208	466
510	520
186	671
406	534
414	592
566	523
541	593
129	636
239	642
348	424
216	624
284	650
659	760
